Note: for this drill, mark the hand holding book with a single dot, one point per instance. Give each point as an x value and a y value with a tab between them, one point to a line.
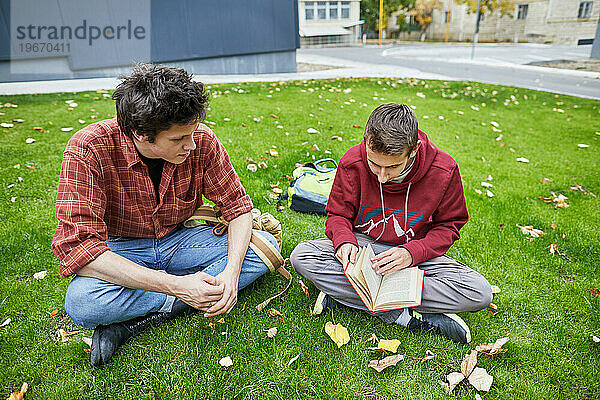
346	254
394	259
384	291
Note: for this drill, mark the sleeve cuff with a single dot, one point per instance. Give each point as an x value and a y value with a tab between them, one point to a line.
237	208
80	256
416	252
347	238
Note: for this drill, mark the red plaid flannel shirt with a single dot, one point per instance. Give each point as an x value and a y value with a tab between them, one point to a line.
104	189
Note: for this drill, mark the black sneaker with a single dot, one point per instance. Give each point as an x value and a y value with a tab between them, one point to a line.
323	302
449	325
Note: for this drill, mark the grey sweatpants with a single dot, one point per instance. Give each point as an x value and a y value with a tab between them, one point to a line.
448	287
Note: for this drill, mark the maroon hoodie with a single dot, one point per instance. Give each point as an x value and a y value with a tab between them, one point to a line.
435	209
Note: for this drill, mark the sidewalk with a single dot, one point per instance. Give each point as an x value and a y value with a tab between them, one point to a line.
345	69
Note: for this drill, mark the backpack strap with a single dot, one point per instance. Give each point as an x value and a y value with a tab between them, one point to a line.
258	243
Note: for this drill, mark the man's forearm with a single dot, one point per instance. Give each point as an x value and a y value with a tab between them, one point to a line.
114	268
240	230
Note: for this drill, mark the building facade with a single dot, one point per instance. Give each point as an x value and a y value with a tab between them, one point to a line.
323	23
537	21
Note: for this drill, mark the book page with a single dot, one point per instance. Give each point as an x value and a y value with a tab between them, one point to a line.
356	276
401	288
372	280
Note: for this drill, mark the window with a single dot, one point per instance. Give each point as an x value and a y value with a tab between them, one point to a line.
447	17
522	11
321	9
309	10
585	10
333	10
345	9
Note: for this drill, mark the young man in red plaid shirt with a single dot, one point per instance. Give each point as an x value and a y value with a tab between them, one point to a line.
126	186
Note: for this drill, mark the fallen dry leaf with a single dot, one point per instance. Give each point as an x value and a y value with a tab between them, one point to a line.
262	165
481	380
252	167
380	365
560	200
87	340
226	362
390	345
5	323
312	130
596	339
454	378
65	336
468	363
272	332
40	275
428	356
274	313
274	185
553	248
273	153
545	181
493	306
583	146
495	289
337	333
277	190
374	339
29	140
54	312
493	348
497	346
304	288
293	359
477	396
522	159
19	395
530	230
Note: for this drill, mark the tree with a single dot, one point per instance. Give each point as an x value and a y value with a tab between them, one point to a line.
422	11
504	7
369	12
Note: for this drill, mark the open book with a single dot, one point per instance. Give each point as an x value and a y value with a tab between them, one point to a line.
398	289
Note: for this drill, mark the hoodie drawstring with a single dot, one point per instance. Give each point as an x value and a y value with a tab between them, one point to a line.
405	212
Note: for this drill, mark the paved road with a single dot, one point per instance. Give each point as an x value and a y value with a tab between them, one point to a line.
500	64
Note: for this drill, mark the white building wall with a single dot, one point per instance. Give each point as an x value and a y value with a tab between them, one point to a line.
351	24
548	21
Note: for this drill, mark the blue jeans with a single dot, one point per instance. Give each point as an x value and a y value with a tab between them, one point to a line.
91	302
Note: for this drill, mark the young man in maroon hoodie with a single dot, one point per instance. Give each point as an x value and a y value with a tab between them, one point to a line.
399	192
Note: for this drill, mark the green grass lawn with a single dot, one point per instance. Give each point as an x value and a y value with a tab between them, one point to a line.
547	305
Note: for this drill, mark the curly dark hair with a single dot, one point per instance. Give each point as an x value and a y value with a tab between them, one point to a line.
154	98
392	129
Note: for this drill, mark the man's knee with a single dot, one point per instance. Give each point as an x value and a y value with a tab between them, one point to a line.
483	295
298	256
79	305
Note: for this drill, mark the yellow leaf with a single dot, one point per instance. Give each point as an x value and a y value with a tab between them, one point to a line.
390	345
221	321
273	153
337	333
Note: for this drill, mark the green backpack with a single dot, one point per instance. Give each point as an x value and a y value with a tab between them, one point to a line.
310	188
